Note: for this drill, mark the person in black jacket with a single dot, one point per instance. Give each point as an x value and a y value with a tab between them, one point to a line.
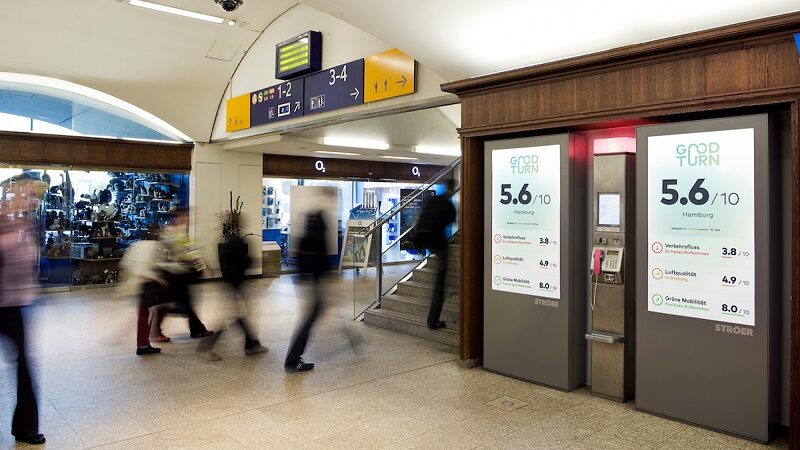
437	214
313	261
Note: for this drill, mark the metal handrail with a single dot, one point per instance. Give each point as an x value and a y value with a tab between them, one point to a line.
405	201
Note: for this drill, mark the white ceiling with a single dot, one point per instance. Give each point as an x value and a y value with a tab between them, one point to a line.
158	61
458	39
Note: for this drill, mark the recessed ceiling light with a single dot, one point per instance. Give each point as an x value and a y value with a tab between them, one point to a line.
177	11
231	22
399	157
326	152
355	143
450	151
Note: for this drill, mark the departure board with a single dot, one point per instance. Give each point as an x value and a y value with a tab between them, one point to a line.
299	55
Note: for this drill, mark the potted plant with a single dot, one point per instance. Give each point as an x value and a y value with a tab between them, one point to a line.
234	256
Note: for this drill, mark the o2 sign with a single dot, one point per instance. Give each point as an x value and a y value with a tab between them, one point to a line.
320	166
415	172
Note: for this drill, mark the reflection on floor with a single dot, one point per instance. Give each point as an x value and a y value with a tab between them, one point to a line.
392	391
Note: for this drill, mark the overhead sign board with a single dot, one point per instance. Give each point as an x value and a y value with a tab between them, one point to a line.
280	102
701	225
335	88
299	55
389	74
526	215
237	113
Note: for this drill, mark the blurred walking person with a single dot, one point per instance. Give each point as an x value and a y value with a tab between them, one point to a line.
431	234
234	259
188	268
144	267
17	292
313	263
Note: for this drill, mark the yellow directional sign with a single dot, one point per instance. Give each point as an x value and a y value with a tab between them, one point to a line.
237	113
389	74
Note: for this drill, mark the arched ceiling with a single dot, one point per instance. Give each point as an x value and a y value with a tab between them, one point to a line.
459	39
159	62
153	60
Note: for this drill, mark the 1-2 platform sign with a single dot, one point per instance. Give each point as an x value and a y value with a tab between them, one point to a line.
338	87
279	102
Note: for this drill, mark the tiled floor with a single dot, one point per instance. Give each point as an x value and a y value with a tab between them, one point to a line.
391	391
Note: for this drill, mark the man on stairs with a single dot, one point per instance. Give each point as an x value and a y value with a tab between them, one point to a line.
437	214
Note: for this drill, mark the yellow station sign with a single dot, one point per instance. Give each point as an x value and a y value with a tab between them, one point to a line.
237	113
389	74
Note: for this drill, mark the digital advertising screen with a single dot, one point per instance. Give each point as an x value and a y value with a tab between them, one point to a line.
526	220
701	222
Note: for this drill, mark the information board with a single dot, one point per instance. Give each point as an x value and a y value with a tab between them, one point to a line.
279	102
298	55
335	88
701	225
525	220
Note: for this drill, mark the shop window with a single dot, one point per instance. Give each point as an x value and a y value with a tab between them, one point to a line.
82	221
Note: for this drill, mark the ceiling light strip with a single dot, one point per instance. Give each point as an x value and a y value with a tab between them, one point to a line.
326	152
176	11
400	157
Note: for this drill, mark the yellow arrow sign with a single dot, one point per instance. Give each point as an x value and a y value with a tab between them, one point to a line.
237	113
389	74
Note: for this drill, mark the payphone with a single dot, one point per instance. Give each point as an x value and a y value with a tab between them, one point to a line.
611	269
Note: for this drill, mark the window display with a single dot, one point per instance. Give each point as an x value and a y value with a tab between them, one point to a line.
86	219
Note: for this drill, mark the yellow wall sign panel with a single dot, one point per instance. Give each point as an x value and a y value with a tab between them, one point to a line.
389	74
237	113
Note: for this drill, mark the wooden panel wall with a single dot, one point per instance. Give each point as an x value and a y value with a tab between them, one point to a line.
730	66
746	65
471	220
35	149
794	375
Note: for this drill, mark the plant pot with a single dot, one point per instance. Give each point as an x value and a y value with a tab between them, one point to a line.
233	261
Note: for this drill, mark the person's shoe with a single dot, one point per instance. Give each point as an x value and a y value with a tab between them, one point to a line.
161	338
439	324
32	439
256	349
299	366
210	355
206	333
149	350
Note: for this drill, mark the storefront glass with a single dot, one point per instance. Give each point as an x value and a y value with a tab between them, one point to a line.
82	221
353	197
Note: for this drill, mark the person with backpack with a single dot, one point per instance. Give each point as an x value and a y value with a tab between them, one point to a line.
313	262
431	233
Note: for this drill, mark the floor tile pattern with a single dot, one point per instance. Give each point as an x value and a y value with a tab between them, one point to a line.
372	388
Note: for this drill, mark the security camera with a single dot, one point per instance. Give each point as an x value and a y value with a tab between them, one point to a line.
229	5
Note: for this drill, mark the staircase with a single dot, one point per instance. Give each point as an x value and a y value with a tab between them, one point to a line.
405	308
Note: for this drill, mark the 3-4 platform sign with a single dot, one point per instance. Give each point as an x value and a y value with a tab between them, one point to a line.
701	225
335	88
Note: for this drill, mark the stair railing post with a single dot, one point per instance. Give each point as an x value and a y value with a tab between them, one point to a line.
379	262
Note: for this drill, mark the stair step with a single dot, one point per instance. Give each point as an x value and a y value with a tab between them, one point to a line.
427	275
419	308
425	290
408	324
